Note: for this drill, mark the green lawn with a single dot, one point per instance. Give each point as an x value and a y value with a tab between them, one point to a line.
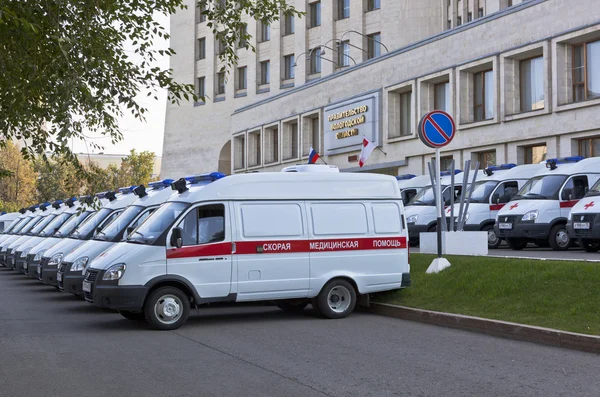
562	295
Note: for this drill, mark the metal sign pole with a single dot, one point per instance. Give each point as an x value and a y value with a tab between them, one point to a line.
452	226
438	189
471	187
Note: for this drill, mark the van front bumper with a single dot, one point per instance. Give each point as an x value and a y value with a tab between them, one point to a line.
49	275
71	283
110	295
592	232
524	230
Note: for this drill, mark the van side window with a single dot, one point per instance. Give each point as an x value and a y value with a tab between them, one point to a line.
143	217
211	223
326	219
505	192
575	188
189	228
408	195
387	218
264	220
446	194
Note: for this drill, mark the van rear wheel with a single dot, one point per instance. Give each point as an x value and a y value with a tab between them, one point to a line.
168	308
589	245
492	238
337	299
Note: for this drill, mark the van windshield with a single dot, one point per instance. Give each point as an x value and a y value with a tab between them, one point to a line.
118	224
72	223
424	197
543	187
15	226
157	223
55	224
594	190
42	224
90	224
482	190
34	221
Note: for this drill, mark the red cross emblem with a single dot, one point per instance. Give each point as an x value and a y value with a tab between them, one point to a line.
515	205
588	205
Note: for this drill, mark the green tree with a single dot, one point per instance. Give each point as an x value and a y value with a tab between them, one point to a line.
17	186
56	180
137	168
72	66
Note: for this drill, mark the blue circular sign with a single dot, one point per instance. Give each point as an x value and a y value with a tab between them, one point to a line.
437	129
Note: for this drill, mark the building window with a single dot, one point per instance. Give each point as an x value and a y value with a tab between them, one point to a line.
480	13
532	84
242	81
289	24
254	148
486	159
271	145
220	83
239	152
509	3
315	60
202	10
484	95
589	147
200	88
469	16
441	97
586	71
459	21
265	32
343	9
265	72
289	144
373	46
242	42
449	24
201	48
405	113
315	132
220	47
446	162
373	5
315	14
534	154
344	54
288	65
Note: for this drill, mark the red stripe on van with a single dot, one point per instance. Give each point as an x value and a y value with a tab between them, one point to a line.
568	204
289	246
496	207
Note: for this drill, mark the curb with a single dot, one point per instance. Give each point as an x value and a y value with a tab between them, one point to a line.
504	329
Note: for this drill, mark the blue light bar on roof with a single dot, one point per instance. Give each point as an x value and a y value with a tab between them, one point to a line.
561	160
501	167
100	195
405	177
446	173
210	177
3	213
160	184
126	190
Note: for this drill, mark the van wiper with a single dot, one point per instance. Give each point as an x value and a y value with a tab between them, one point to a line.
416	202
593	193
534	196
143	237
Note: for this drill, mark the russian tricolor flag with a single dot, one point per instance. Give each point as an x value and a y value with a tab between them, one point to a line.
313	156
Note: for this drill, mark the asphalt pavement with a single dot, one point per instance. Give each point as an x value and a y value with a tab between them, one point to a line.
52	344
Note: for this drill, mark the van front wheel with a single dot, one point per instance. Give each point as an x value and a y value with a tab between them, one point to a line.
337	299
559	238
167	308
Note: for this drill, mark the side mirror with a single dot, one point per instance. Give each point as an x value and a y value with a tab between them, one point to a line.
55	230
98	229
176	238
496	198
129	230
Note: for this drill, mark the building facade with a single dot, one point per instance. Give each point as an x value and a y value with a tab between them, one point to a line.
520	78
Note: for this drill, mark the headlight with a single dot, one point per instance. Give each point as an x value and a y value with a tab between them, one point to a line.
530	216
412	218
38	256
115	272
79	264
25	252
56	259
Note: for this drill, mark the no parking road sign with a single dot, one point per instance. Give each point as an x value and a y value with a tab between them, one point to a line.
437	129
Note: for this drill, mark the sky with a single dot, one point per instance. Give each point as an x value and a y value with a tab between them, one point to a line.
138	135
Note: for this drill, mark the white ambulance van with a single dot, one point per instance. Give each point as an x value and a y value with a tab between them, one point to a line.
53	256
584	220
495	188
14	229
38	212
420	212
410	185
22	213
22	246
539	211
311	168
72	268
6	219
76	216
294	238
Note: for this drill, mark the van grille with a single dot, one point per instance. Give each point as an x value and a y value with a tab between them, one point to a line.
91	275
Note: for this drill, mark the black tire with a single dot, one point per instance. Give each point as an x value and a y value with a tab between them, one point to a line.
541	243
337	299
557	238
589	245
516	244
491	243
133	316
176	300
292	307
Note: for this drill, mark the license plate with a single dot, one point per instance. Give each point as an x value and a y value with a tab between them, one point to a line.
58	276
505	226
581	225
86	286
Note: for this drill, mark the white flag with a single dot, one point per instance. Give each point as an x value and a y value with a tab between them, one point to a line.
365	152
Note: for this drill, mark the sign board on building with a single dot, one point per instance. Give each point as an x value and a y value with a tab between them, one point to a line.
346	123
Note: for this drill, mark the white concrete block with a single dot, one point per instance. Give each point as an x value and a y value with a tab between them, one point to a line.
455	243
